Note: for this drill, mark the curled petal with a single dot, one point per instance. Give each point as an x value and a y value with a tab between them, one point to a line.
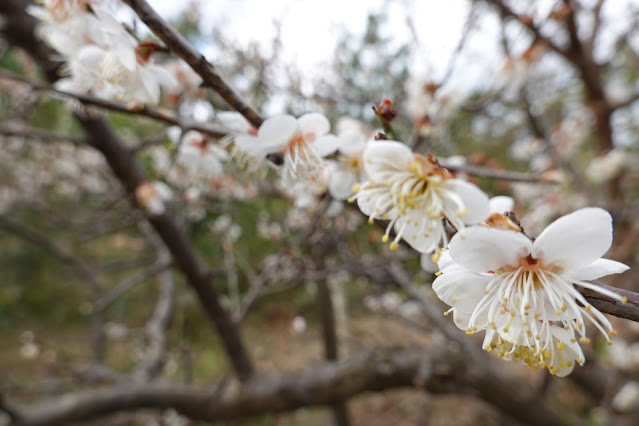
597	269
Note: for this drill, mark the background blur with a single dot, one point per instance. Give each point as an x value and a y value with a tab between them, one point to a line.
545	88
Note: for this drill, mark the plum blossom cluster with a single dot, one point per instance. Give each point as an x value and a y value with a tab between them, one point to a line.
522	293
101	56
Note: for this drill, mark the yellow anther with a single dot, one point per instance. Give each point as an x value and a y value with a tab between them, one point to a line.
438	273
371	220
613	333
351	199
609	342
560	346
624	300
356	187
436	255
385	238
394	246
462	213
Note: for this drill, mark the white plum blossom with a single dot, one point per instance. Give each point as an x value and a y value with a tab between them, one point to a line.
522	292
301	142
111	73
102	57
67	25
153	196
200	157
415	193
349	166
238	126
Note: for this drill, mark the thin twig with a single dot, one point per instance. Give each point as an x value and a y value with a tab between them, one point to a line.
164	115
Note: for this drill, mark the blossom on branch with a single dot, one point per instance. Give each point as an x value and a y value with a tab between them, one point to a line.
415	194
522	292
301	144
198	156
102	57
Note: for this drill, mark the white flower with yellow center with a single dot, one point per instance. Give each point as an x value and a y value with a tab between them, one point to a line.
415	193
300	144
522	292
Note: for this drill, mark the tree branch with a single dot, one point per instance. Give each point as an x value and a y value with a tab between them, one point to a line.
129	172
370	370
162	115
178	45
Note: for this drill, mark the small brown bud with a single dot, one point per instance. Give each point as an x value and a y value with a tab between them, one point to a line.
381	136
386	110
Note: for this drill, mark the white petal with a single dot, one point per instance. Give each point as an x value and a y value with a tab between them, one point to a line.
414	235
575	240
463	289
326	145
163	76
387	155
163	191
475	201
483	249
341	184
90	56
427	264
597	269
234	121
155	207
366	201
278	130
501	204
315	124
174	133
